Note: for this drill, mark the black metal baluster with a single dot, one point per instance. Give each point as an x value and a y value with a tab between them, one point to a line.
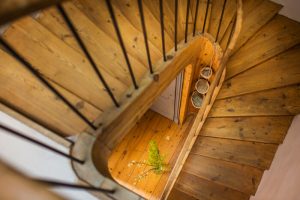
73	186
196	17
87	54
162	27
176	23
187	20
45	82
221	19
205	18
114	20
13	132
140	3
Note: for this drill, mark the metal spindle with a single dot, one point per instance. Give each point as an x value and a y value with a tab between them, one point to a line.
87	54
221	19
196	17
187	21
206	14
73	186
140	3
162	27
45	82
13	132
114	20
176	23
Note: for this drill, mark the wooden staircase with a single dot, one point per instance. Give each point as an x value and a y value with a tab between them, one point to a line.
247	122
252	113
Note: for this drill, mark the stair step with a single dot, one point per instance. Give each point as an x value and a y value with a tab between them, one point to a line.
24	92
235	176
256	129
216	11
202	189
177	194
275	102
279	71
276	37
60	63
255	16
254	154
133	39
104	50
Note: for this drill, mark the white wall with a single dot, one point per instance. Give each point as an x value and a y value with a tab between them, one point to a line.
282	181
36	161
291	8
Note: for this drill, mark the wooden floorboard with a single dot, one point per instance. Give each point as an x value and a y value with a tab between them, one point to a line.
253	154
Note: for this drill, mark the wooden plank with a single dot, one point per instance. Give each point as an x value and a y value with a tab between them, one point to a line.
152	21
14	185
257	129
61	63
133	39
186	90
12	9
253	154
282	70
202	189
255	18
229	13
179	195
23	91
235	176
201	14
281	101
276	37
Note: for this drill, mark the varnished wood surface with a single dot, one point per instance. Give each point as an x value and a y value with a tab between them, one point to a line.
257	129
134	147
280	34
279	71
254	154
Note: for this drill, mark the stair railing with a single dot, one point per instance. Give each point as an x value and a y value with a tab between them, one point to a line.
208	100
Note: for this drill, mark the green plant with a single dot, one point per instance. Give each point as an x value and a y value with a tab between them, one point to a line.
155	162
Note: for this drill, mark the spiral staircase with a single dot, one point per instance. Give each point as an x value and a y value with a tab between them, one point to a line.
86	69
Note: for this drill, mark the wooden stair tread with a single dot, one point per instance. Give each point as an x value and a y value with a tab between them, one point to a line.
255	16
216	10
276	37
281	70
24	92
104	50
134	147
206	190
280	101
239	177
257	129
177	194
61	63
254	154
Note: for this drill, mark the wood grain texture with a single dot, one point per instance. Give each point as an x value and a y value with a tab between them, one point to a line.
177	194
257	129
282	70
280	101
217	6
256	15
59	62
22	90
202	189
274	38
134	146
253	154
235	176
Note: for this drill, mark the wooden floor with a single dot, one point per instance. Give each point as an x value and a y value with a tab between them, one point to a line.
134	147
252	113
